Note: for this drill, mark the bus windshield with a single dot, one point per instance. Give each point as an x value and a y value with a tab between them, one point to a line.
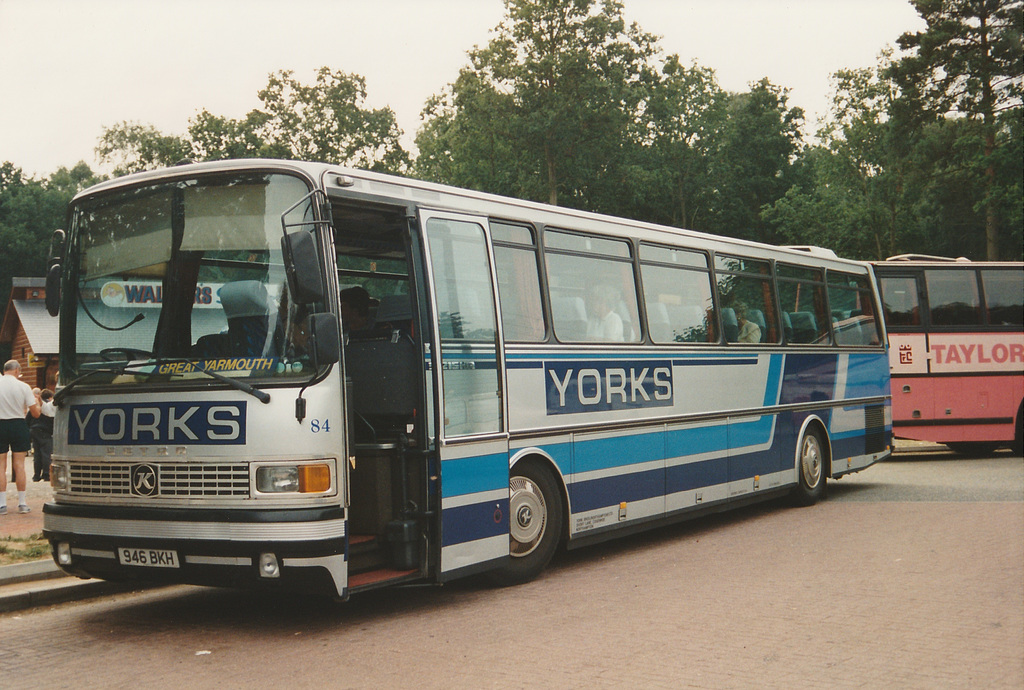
181	278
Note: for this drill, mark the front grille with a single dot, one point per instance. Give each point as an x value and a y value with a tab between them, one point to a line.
174	480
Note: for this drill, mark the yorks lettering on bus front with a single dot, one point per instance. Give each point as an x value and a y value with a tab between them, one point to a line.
588	386
196	423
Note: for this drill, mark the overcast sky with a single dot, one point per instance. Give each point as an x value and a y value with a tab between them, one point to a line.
68	68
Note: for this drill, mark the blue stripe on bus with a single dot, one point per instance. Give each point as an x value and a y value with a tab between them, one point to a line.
475	521
696	441
696	475
618	451
472	475
635	486
791	378
771	389
867	376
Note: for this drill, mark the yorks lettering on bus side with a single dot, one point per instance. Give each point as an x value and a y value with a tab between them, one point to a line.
588	386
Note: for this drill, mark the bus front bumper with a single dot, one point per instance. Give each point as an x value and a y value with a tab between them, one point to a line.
301	549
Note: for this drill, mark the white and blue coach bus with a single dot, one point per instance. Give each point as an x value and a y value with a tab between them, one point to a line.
298	375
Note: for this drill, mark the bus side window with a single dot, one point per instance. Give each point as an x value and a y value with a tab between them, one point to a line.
747	297
597	273
522	316
803	304
853	312
677	292
953	297
1004	296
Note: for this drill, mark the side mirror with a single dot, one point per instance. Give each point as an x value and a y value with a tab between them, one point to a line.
302	267
325	337
53	290
53	271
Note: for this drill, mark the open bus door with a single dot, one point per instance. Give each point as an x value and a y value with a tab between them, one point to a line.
466	364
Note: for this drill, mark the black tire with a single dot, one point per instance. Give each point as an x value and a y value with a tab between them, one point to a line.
1018	437
536	520
973	449
811	468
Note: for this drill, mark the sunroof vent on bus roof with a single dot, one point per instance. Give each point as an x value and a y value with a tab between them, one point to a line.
814	251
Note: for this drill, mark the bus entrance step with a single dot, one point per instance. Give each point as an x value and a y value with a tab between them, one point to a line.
375	576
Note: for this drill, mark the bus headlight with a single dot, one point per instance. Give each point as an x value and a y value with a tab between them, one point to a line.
59	476
277	480
302	479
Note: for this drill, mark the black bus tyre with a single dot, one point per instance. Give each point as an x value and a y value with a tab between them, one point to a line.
811	468
973	449
536	522
1018	436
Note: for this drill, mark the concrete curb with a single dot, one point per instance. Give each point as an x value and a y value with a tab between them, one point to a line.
55	591
42	583
43	569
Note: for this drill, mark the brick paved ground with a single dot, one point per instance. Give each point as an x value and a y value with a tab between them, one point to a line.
855	592
18	525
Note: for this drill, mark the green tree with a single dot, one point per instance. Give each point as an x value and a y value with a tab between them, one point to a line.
466	140
30	210
569	77
969	62
323	121
133	147
857	196
328	121
686	111
755	161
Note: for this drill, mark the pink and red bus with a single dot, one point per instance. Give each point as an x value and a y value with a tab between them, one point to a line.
956	350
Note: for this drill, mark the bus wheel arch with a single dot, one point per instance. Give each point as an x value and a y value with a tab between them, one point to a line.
537	519
813	462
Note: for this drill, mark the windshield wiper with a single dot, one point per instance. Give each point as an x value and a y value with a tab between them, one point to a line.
58	397
262	396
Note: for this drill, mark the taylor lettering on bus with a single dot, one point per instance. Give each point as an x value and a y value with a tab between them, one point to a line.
975	353
198	423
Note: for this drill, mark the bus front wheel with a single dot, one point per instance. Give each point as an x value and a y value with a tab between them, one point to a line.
535	524
811	468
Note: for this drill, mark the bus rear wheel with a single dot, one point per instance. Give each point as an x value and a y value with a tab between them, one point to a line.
535	524
1018	436
811	469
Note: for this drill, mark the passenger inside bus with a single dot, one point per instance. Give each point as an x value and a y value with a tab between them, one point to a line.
749	332
604	323
355	309
246	307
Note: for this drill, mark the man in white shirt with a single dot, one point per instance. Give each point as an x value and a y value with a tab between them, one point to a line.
16	400
604	324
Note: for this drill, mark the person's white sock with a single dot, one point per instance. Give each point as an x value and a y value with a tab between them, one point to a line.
21	499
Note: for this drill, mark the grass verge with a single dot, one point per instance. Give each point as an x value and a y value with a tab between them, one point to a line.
22	549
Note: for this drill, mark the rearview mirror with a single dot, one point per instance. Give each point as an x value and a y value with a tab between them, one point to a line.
53	270
325	335
302	267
